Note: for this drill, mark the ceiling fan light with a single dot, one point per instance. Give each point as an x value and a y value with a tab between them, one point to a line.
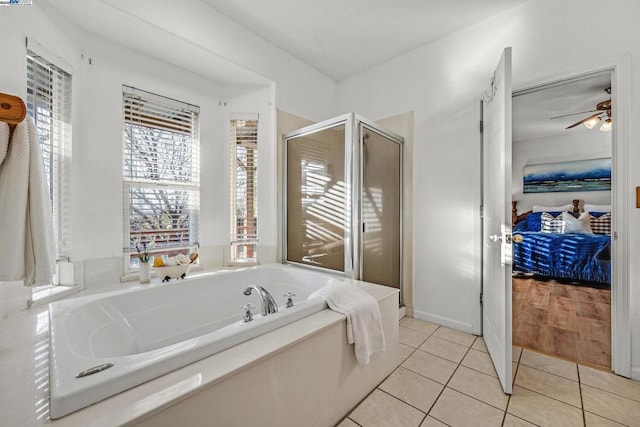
606	126
592	122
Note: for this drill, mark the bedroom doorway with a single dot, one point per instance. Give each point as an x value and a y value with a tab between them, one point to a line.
562	209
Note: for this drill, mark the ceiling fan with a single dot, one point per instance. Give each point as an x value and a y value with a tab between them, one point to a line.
603	109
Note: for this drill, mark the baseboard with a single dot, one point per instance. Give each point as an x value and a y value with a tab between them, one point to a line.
444	321
635	373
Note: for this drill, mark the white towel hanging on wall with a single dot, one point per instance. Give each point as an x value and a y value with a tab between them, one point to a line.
4	140
27	250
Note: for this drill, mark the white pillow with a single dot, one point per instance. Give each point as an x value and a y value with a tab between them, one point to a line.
581	225
540	208
597	208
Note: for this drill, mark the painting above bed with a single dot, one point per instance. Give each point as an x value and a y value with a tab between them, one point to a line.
577	175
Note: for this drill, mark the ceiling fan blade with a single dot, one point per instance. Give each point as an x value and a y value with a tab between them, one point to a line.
583	120
572	114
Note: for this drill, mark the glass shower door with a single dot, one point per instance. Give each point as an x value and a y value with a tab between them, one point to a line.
315	192
381	208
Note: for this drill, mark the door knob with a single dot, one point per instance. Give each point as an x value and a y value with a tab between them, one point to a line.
495	238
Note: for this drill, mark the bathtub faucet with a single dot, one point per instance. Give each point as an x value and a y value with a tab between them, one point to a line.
266	300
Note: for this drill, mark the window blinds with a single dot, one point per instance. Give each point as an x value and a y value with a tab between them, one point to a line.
244	189
49	105
160	172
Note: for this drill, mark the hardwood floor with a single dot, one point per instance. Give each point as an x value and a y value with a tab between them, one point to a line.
564	320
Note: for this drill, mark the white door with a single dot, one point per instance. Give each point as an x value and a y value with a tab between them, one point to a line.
496	171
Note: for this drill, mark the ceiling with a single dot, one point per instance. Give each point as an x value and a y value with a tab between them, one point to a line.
337	37
342	38
532	111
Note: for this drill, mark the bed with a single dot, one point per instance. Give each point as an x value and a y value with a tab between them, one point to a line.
562	244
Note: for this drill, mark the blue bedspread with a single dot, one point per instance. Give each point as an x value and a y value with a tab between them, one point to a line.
565	256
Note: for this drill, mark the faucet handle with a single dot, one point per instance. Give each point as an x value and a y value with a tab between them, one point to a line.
246	308
289	296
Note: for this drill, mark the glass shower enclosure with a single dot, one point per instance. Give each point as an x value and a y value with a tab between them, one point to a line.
343	199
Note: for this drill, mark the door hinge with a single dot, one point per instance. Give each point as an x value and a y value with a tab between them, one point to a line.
481	126
481	212
481	298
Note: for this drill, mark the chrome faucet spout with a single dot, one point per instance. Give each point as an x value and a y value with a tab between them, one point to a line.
269	305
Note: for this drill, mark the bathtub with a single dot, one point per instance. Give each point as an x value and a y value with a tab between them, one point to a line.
101	345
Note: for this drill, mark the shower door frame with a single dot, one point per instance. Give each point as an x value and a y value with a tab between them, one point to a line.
353	173
348	135
368	125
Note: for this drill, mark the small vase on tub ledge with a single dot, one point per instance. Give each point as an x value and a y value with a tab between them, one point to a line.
145	272
145	266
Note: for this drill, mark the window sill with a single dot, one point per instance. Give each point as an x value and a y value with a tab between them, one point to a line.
46	294
135	275
243	264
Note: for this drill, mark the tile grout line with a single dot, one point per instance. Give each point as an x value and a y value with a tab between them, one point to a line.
384	379
458	364
445	385
581	398
377	387
584	411
449	380
513	383
550	397
400	365
611	392
579	382
406	403
484	373
518	362
480	372
547	372
452	374
584	417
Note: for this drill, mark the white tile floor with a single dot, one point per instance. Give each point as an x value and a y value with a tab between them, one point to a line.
446	378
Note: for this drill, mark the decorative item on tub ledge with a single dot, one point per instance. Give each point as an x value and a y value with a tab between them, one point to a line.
145	267
174	267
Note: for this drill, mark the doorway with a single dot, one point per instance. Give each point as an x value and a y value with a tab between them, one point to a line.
561	219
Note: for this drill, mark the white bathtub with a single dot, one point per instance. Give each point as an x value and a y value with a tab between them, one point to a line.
148	332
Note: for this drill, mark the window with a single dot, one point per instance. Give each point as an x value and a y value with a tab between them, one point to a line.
160	174
49	105
244	189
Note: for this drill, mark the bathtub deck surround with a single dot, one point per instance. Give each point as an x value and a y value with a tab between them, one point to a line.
277	366
364	324
124	338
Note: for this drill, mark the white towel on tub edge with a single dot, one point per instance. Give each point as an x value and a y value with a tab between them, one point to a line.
364	322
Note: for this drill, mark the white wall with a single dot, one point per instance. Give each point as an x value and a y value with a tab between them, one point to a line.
97	201
578	145
441	83
97	136
208	41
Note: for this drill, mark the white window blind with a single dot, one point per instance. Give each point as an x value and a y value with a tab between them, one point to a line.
160	173
244	189
49	104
